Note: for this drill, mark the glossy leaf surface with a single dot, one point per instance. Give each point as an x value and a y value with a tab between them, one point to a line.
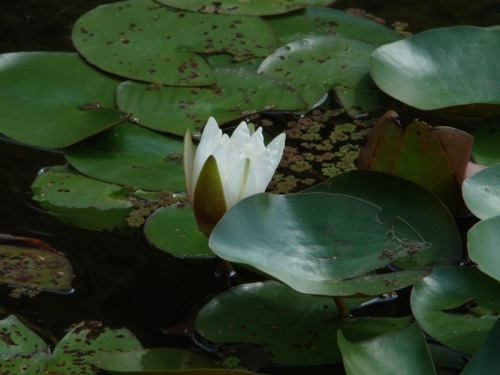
483	242
298	329
457	306
486	360
438	68
398	353
54	99
481	192
409	201
318	243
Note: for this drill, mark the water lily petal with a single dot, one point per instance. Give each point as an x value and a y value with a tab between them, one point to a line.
210	140
188	159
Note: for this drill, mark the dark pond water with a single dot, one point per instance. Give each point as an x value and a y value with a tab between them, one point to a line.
120	278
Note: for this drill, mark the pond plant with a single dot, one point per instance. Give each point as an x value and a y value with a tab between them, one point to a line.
360	216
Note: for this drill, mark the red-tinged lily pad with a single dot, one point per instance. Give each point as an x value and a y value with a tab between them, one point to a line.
296	328
435	158
457	306
438	69
149	41
32	263
318	243
54	99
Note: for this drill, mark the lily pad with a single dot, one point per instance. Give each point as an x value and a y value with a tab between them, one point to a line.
298	329
54	99
315	65
149	42
241	8
457	306
486	360
74	354
81	201
174	109
174	230
485	150
328	21
317	243
438	68
483	240
481	192
131	155
32	263
417	206
399	352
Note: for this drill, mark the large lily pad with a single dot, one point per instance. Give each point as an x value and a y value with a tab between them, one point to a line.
298	329
142	40
315	65
325	244
481	192
399	352
457	306
54	99
409	201
483	241
237	94
249	8
486	360
133	156
328	21
32	263
438	68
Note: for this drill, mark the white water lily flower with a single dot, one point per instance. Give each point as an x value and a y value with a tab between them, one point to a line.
226	169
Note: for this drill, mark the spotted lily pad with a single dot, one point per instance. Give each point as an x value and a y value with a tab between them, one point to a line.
149	42
32	263
315	65
54	99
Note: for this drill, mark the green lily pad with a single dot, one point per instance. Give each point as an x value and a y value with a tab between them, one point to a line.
21	349
149	42
74	354
241	8
486	360
417	206
174	230
399	352
315	65
481	192
54	99
457	306
328	21
438	69
485	150
81	201
298	329
317	243
28	262
483	239
131	155
238	94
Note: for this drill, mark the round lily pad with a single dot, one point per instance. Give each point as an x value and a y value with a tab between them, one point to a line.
481	192
483	240
438	69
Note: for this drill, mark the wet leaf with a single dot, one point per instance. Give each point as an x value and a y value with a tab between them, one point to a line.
483	239
133	156
74	354
150	43
400	352
434	158
417	206
298	329
317	243
54	99
81	201
174	230
238	7
437	69
315	65
32	263
237	94
457	306
481	192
